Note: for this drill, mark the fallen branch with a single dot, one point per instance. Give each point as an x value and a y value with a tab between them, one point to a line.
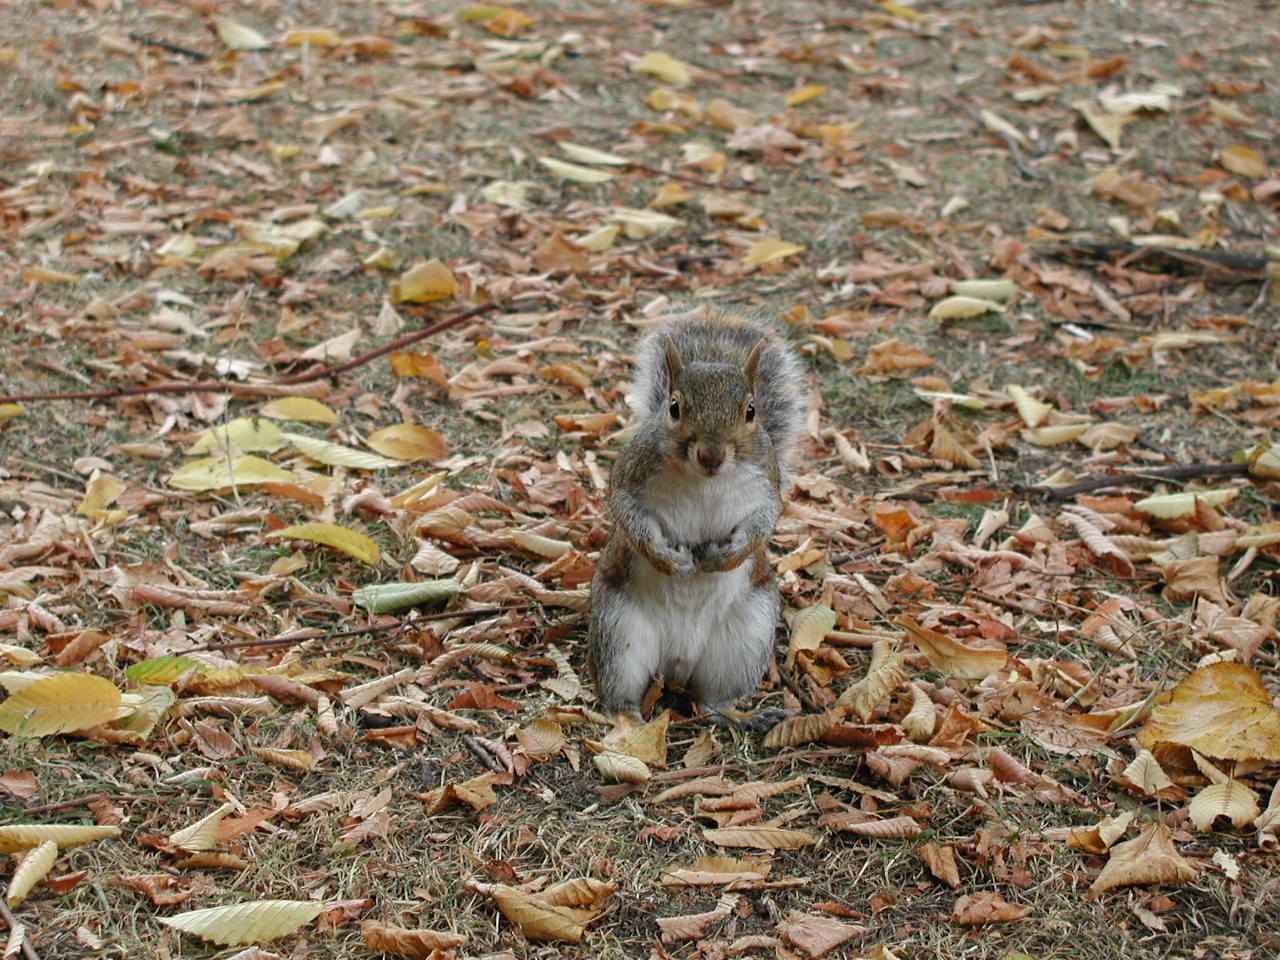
1154	475
149	41
299	636
1212	263
269	388
674	175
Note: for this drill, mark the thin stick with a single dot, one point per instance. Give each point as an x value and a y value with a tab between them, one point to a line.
1184	472
270	387
303	635
166	45
28	951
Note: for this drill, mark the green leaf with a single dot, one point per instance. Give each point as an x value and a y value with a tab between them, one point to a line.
387	597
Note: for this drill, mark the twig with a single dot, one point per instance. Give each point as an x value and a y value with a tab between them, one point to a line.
271	386
1212	264
78	802
300	636
658	172
486	757
805	700
1027	172
28	951
166	45
1155	474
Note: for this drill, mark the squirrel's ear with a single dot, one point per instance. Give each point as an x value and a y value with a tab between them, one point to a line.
753	361
674	363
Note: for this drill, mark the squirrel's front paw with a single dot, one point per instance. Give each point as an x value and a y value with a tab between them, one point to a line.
682	562
721	554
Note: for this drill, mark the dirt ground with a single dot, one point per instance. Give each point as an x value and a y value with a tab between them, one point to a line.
221	194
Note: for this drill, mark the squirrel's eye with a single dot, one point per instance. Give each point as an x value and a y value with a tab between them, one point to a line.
674	409
751	412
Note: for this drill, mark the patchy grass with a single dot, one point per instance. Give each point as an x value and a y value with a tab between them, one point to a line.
109	150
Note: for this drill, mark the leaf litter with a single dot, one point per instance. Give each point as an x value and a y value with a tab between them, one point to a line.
317	616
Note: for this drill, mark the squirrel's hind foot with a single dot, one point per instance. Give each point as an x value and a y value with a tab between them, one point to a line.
760	722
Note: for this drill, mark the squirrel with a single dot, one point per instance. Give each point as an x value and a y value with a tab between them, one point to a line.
684	587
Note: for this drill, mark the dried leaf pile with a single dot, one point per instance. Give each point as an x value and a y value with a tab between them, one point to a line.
317	325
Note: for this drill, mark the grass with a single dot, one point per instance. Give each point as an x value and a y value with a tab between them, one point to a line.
178	152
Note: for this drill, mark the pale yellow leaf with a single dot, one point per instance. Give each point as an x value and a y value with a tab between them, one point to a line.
540	546
336	455
599	239
297	759
642	224
58	704
424	283
203	834
408	442
1106	126
809	627
574	171
316	37
303	409
237	36
214	473
1230	799
241	435
766	251
24	836
959	308
1031	410
349	541
1054	435
663	67
246	923
806	93
1171	506
1244	161
590	155
990	290
100	492
33	868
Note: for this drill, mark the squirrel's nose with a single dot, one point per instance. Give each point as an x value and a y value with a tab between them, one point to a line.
710	457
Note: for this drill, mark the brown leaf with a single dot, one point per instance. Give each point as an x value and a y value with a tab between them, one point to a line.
1148	858
1223	710
410	943
941	861
980	908
817	935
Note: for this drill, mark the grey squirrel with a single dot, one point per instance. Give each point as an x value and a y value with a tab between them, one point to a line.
684	587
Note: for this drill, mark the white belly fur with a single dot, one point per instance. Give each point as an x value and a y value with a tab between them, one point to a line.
683	617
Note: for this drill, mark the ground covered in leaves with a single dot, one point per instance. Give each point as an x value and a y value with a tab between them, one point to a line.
1022	247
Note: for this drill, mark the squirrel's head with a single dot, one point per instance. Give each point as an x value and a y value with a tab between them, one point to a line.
711	412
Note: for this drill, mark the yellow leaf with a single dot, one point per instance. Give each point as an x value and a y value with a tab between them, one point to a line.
203	834
589	155
246	923
805	94
99	493
1223	710
997	290
959	308
643	224
48	275
894	8
600	239
1244	161
214	473
336	455
1230	799
424	283
299	408
1108	127
241	435
349	541
573	171
297	759
33	868
8	411
663	67
1031	410
408	441
540	920
1054	435
237	36
809	627
24	836
1171	506
767	251
318	37
60	703
540	546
